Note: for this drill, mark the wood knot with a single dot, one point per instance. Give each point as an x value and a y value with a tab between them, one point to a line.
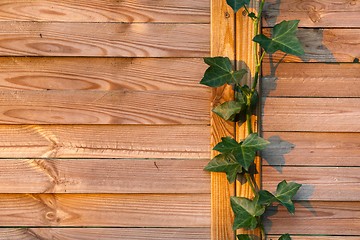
227	14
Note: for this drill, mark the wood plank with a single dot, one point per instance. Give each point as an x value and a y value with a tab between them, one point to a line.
105	11
104	39
327	218
121	210
222	44
312	149
324	45
311	114
319	183
105	233
311	80
320	13
105	107
302	237
106	141
133	74
103	176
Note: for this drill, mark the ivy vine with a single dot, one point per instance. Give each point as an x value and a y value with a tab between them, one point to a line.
236	159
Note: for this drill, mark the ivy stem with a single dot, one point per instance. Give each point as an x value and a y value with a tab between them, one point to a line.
248	121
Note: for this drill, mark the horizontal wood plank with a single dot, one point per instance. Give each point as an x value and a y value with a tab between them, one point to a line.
311	114
322	218
318	183
105	141
72	73
311	80
320	13
105	233
105	107
324	45
104	39
105	11
103	176
120	210
315	149
312	237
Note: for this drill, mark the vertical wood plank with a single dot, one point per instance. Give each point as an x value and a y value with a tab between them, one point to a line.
222	44
245	60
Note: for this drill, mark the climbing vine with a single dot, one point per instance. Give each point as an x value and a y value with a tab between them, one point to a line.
236	159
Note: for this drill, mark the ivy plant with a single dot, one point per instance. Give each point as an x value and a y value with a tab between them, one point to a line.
236	159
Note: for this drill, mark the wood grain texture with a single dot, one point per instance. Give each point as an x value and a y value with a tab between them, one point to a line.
315	149
318	183
324	45
105	11
311	80
319	13
120	210
132	74
104	39
222	44
321	218
312	237
311	114
105	233
103	176
107	141
105	107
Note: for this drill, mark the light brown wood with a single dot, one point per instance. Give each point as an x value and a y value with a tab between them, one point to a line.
295	237
121	210
105	233
104	39
324	45
311	114
311	80
321	218
316	149
320	13
318	183
105	107
103	176
222	44
72	73
107	141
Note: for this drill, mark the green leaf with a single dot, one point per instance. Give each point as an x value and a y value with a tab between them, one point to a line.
285	237
226	145
244	237
245	155
239	75
229	110
237	4
219	72
254	100
266	197
285	192
246	212
283	38
224	163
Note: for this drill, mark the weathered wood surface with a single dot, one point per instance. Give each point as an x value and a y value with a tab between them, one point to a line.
120	210
319	13
311	114
312	237
106	141
316	149
105	107
103	176
324	45
105	233
311	80
318	183
105	11
63	73
104	39
322	218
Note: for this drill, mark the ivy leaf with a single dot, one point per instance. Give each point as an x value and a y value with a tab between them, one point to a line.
246	212
219	72
224	163
285	192
244	237
254	100
237	4
284	39
245	154
239	75
226	145
229	110
266	197
285	237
